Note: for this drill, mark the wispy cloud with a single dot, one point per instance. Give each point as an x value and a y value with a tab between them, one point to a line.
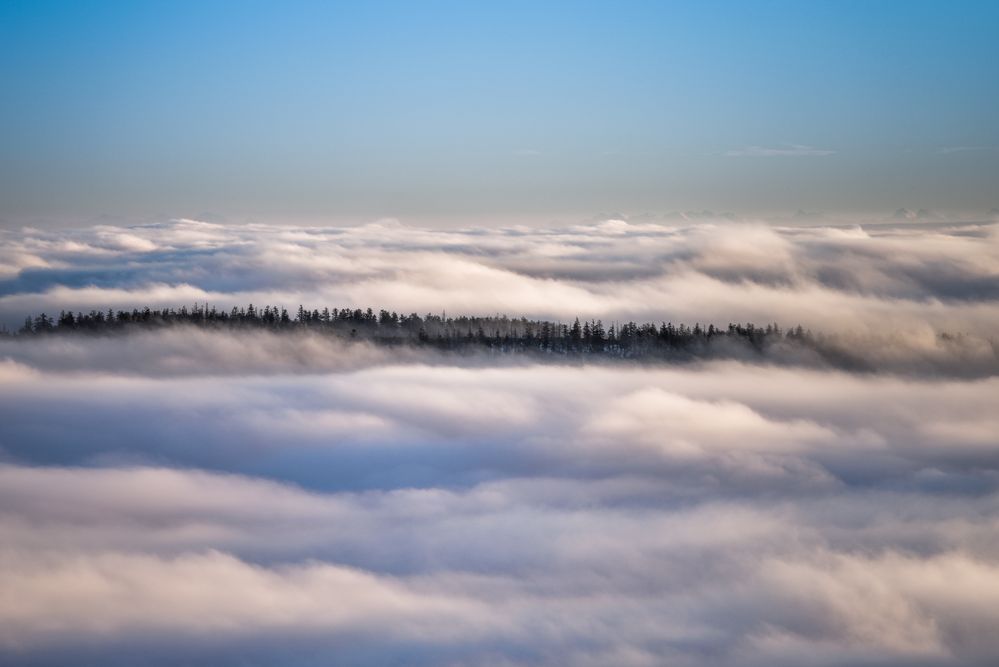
787	150
948	150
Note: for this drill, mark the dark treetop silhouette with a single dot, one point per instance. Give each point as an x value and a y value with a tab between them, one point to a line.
496	334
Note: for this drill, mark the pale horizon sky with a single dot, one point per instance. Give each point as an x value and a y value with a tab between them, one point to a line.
527	112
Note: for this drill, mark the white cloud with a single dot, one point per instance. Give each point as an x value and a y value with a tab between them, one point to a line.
948	150
248	497
831	279
546	568
788	150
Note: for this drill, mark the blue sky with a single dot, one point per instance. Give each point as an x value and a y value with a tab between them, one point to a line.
505	111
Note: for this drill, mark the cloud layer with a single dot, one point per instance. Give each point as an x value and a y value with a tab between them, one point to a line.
470	513
898	278
246	498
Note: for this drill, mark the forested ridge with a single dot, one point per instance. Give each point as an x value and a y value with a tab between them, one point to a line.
498	333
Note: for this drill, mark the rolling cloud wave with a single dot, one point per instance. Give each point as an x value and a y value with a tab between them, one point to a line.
254	498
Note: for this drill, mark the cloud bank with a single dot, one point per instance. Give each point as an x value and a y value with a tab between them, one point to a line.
790	150
246	498
936	277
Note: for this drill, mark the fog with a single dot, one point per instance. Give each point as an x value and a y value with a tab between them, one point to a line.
255	498
905	279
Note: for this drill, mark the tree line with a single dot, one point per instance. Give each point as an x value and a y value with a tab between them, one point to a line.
497	333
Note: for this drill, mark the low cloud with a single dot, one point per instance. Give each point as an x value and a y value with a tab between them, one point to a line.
882	280
246	497
948	150
232	566
789	150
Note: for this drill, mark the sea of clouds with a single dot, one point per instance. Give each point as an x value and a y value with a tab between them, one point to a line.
186	496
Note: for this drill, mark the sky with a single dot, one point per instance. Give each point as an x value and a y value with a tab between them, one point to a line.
473	113
301	497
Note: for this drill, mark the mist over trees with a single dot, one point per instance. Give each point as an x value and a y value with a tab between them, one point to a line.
498	334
